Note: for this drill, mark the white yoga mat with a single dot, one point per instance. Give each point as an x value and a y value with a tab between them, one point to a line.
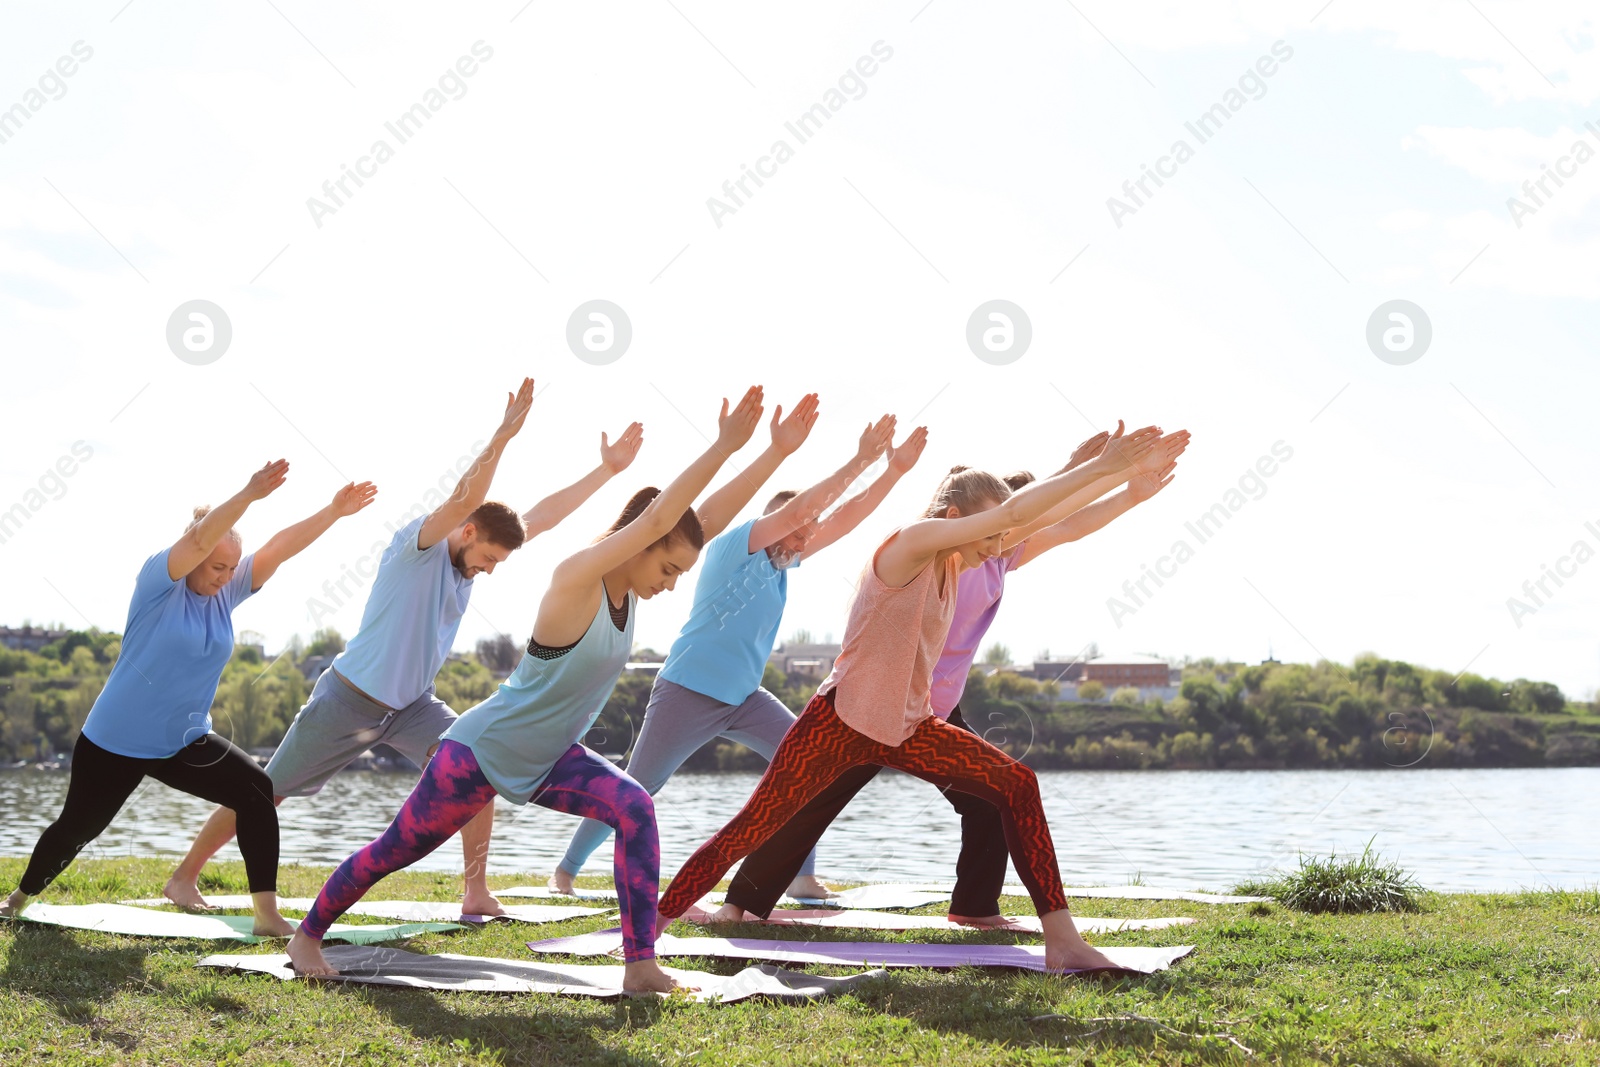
410	910
868	896
1110	892
396	967
142	922
881	920
858	953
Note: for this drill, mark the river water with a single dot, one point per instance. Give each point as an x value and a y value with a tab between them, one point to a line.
1453	829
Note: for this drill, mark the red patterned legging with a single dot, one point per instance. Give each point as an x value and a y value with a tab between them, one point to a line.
819	746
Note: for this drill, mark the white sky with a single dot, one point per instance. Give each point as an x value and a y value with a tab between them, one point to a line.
977	165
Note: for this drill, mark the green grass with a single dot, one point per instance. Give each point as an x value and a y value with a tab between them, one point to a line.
1499	979
1343	886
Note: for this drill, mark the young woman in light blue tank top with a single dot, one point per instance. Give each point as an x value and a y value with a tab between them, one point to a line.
522	742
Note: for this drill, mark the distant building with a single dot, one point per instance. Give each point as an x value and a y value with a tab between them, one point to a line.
253	640
813	661
651	667
1057	670
29	638
1141	672
312	666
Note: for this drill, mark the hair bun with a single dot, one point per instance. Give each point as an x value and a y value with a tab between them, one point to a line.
957	469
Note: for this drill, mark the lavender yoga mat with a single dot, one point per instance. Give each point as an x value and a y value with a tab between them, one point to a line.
857	953
880	920
396	967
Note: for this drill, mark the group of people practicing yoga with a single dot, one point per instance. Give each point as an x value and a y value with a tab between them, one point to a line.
921	607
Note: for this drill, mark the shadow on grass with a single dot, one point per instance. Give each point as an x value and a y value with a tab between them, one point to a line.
49	963
517	1036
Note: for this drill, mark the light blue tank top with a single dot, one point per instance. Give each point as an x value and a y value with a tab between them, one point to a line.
527	724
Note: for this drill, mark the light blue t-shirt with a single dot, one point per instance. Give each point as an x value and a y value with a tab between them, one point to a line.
176	642
738	604
410	620
528	724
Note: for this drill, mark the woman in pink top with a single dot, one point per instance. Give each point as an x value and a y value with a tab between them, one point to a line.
875	707
981	867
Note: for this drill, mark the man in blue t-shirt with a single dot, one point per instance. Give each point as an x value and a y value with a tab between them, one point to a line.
710	685
380	688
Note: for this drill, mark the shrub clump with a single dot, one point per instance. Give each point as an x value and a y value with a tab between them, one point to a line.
1342	886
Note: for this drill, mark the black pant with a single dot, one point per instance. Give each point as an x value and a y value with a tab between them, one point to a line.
980	870
210	768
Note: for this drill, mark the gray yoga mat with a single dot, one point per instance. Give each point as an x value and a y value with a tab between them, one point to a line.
142	922
396	967
883	920
409	910
858	953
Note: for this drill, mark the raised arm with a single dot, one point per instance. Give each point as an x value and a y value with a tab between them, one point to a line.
291	540
848	515
919	542
548	513
572	597
1141	487
190	550
1167	449
717	511
806	506
473	488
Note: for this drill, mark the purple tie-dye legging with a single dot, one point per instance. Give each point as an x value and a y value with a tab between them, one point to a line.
453	789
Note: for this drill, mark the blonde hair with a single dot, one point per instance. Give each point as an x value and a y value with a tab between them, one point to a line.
968	491
201	512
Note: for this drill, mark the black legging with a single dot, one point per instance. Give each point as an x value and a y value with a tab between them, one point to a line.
210	768
980	870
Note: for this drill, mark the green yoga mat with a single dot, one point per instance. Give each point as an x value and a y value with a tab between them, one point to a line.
142	922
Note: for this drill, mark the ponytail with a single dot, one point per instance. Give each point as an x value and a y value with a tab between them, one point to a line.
687	528
967	490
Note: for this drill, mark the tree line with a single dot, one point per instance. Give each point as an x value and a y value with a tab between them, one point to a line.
1373	712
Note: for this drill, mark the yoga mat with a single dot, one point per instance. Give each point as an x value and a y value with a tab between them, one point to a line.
870	897
410	910
878	920
858	953
396	967
142	922
1113	892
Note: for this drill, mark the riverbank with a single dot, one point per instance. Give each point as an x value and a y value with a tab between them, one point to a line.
1469	979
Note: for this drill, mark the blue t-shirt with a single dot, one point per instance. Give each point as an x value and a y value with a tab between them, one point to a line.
410	620
158	697
738	604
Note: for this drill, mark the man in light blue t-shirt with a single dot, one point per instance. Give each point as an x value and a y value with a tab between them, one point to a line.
710	685
380	688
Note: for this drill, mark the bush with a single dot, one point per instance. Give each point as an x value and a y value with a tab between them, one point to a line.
1127	695
1091	690
1341	886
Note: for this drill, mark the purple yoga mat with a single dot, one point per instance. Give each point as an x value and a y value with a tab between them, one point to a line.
857	953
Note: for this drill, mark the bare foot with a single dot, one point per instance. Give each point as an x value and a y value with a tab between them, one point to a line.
305	957
272	924
479	901
809	887
982	922
561	882
15	905
731	913
646	976
1065	949
185	893
1081	957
